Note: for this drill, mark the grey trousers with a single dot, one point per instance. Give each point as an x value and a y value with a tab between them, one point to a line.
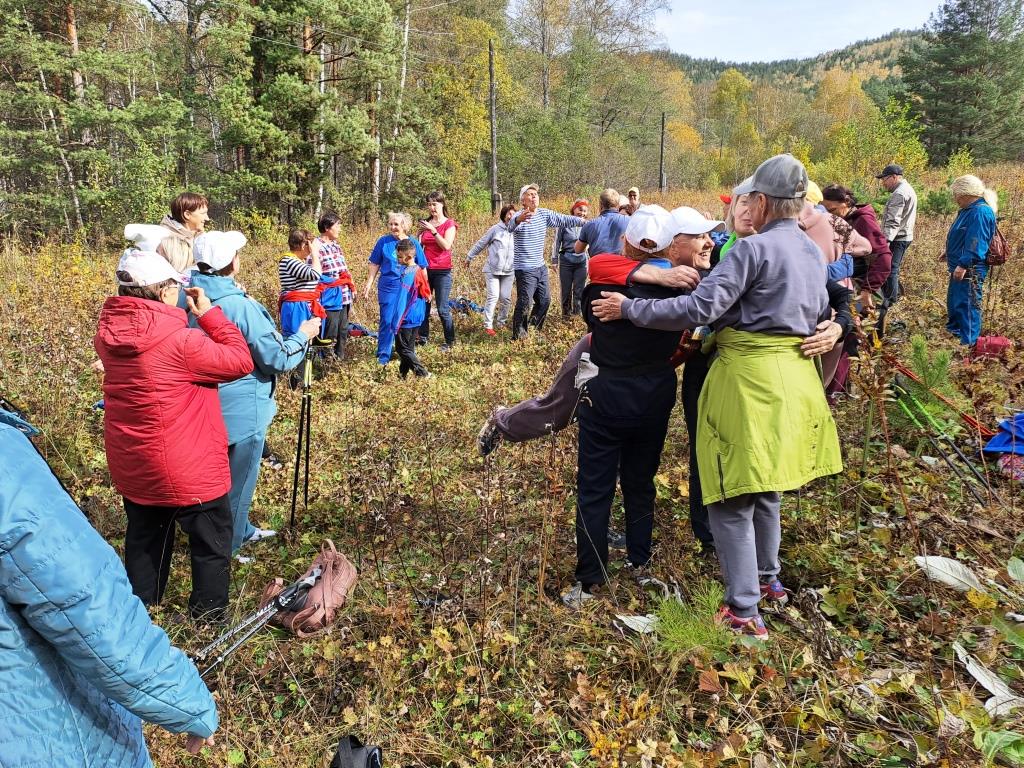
747	532
551	412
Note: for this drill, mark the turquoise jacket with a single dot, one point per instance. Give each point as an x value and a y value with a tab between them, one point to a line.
248	403
80	660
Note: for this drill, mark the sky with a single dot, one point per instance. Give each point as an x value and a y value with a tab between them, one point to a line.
760	30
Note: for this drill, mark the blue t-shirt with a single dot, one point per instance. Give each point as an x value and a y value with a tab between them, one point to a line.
604	234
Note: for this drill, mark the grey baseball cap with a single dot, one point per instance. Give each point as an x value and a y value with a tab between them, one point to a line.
781	176
745	187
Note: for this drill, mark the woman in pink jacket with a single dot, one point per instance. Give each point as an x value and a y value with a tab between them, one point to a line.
166	444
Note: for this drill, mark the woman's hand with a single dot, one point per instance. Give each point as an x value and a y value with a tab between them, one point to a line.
825	336
194	743
197	300
608	307
867	301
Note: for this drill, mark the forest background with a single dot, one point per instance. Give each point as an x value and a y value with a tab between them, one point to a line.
281	109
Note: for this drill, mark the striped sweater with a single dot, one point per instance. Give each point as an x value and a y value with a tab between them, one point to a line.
529	237
296	275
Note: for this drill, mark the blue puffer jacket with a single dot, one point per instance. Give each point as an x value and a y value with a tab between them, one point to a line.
248	403
80	660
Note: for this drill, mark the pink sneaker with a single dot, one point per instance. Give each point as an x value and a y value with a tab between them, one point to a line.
774	592
753	625
490	332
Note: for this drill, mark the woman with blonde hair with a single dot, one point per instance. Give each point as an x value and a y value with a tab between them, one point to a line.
966	251
386	269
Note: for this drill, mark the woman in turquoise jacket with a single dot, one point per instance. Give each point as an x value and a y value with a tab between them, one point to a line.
247	403
81	663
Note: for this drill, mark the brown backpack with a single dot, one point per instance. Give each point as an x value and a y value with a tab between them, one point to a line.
998	249
330	591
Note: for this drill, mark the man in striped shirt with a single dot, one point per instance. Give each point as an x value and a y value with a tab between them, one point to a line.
529	228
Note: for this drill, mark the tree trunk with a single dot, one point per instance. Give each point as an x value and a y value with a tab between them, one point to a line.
390	176
58	143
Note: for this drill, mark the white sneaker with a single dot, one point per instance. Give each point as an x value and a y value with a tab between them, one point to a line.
577	596
243	559
259	534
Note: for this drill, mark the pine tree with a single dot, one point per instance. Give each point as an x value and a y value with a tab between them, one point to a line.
967	79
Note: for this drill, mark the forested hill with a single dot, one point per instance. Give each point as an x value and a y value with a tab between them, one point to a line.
868	59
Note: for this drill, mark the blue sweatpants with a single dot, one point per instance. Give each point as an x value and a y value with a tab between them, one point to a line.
244	458
963	305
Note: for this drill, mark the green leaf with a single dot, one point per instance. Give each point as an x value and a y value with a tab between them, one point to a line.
236	757
1016	569
1006	744
1013	632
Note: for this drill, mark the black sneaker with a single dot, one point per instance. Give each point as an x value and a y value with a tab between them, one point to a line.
616	539
489	437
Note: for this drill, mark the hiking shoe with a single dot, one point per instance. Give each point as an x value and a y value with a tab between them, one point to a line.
273	461
243	559
489	437
774	592
616	539
490	332
259	534
741	625
578	596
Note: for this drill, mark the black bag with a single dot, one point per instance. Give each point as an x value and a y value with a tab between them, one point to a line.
352	754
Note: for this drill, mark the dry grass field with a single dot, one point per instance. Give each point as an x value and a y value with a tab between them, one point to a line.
860	671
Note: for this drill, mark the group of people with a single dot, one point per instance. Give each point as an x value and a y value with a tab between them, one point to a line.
775	290
744	304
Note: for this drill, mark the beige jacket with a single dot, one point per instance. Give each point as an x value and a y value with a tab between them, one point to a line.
177	246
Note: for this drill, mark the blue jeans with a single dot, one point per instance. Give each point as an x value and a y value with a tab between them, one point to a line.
891	287
531	287
441	288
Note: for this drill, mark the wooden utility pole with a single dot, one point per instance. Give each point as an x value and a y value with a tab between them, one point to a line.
493	98
661	161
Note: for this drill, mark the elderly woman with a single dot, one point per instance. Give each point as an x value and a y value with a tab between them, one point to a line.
624	412
385	265
764	426
966	249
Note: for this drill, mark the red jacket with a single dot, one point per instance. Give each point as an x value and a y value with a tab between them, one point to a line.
163	429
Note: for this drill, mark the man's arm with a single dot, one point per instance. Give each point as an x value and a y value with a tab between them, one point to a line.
561	219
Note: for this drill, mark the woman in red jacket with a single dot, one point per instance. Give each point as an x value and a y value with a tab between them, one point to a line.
166	444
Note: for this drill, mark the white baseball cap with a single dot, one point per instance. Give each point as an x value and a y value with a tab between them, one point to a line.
690	221
525	187
138	268
217	249
147	237
650	222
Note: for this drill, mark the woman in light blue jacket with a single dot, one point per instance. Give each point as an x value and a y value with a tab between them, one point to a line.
81	663
247	403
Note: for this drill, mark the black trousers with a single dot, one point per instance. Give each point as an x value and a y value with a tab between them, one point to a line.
694	372
405	344
572	278
149	545
623	423
336	327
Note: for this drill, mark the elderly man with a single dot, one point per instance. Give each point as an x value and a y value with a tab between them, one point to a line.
966	249
764	426
633	200
529	228
604	234
898	227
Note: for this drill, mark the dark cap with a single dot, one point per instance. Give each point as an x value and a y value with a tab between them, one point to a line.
782	176
890	170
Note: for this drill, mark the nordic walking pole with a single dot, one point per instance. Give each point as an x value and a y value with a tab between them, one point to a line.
305	422
938	449
952	444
